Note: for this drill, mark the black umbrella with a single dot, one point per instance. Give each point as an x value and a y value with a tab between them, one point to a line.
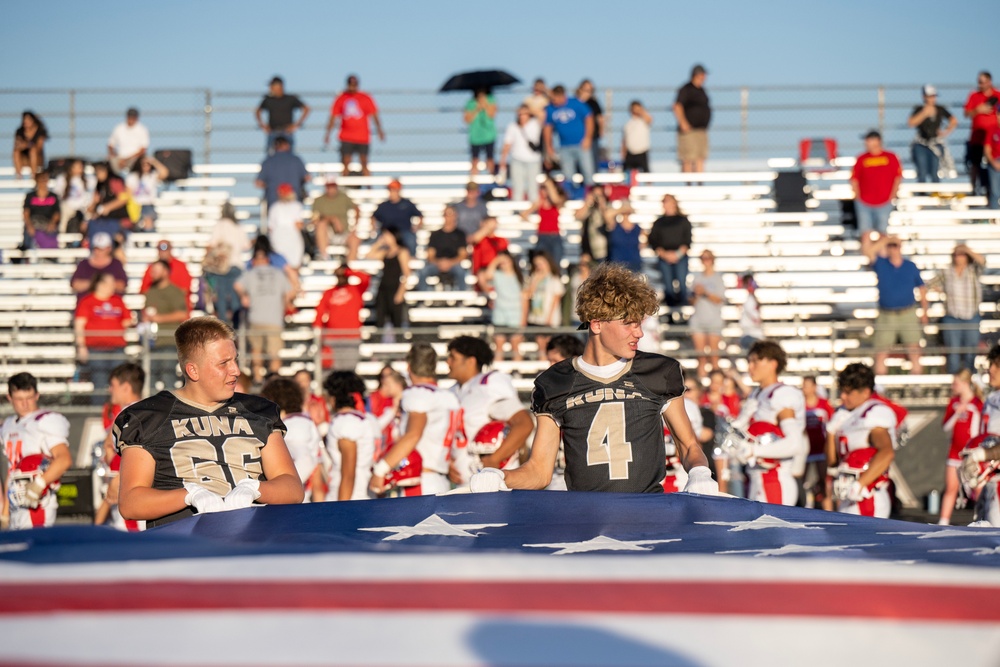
491	78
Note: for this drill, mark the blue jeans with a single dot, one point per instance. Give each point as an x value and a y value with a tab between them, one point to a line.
99	365
926	162
872	217
961	337
573	159
993	178
674	279
163	367
456	272
552	244
113	227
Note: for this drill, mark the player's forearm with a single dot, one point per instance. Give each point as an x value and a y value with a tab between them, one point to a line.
282	490
528	476
693	456
877	466
144	503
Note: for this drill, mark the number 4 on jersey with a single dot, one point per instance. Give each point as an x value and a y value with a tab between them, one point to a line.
606	443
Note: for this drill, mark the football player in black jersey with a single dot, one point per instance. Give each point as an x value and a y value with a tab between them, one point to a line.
202	447
610	403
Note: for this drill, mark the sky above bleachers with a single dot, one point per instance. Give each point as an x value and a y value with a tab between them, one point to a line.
237	45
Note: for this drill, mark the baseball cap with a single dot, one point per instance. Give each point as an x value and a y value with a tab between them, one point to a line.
394	184
929	91
698	69
101	240
285	189
330	180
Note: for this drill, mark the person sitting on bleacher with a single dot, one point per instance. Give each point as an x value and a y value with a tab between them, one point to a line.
99	260
75	190
398	213
229	232
445	252
143	181
107	211
41	215
179	274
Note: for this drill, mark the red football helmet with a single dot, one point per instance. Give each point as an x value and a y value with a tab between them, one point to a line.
407	473
489	438
987	469
22	474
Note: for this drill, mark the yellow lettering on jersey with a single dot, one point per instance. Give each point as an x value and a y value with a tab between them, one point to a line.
241	425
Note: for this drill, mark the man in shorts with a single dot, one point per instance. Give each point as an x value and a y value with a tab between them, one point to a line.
693	114
610	403
354	108
331	211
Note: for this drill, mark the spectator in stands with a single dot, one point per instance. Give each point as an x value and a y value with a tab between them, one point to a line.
635	139
332	211
99	326
708	295
625	238
480	114
338	316
128	142
390	304
107	210
694	114
521	155
143	181
220	276
551	199
485	246
981	108
471	210
446	250
283	166
585	93
41	215
963	292
284	226
573	123
543	297
539	100
166	307
503	276
593	228
398	213
266	294
99	260
991	152
929	147
670	239
29	144
76	191
897	277
875	179
280	110
229	232
354	108
563	346
262	242
178	271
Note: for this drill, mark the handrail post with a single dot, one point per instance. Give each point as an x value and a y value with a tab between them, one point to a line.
744	122
208	126
72	122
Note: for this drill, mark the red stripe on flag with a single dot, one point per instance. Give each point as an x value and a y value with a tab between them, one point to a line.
868	600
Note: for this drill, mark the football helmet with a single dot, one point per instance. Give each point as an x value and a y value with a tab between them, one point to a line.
21	477
407	473
489	438
976	473
743	445
668	443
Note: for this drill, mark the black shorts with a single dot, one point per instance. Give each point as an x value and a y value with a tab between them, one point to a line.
639	161
347	149
485	149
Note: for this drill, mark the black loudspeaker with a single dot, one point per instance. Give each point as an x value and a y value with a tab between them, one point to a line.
848	214
59	165
790	191
76	493
177	161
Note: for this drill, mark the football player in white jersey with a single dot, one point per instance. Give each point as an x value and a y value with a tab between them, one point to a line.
302	436
861	440
484	397
353	439
36	445
988	499
772	466
431	419
676	475
124	388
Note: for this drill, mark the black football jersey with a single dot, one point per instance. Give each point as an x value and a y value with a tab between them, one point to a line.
214	449
612	429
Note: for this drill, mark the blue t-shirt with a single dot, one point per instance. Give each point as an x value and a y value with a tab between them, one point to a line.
568	121
282	167
396	215
623	246
896	284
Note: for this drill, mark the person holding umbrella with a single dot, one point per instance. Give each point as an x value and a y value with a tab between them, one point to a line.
480	113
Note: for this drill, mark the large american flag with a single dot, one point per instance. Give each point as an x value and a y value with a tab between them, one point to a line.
518	578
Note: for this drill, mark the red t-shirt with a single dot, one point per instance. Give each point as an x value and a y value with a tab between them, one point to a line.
548	222
179	275
340	307
106	322
875	175
486	251
354	110
993	141
982	123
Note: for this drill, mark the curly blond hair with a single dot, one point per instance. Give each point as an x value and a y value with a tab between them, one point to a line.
612	292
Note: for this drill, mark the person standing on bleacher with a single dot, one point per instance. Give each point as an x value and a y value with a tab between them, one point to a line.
693	113
354	108
167	307
128	142
280	110
929	146
283	166
981	108
875	180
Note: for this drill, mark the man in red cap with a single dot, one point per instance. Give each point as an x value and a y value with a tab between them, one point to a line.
398	213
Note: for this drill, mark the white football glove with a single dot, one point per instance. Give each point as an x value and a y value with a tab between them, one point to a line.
243	494
34	491
700	481
969	468
856	493
487	480
202	499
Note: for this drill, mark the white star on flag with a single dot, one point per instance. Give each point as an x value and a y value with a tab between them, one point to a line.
975	551
796	549
599	543
433	525
945	533
767	521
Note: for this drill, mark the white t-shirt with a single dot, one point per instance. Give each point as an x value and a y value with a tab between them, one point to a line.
229	232
544	308
144	187
991	414
362	429
518	136
35	433
304	444
443	417
285	235
750	321
128	140
81	191
635	134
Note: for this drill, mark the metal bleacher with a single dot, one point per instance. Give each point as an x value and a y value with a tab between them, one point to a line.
815	295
